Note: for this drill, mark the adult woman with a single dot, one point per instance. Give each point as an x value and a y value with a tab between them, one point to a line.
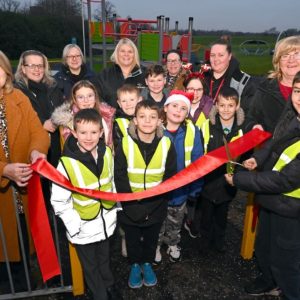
34	80
201	104
73	69
126	68
277	184
225	71
273	92
176	73
22	141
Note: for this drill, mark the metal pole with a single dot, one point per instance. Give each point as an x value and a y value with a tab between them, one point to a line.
190	38
176	27
160	20
104	53
90	37
83	29
167	25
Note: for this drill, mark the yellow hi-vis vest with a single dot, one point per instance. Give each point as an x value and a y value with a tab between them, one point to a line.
201	119
123	125
285	158
206	134
81	176
142	176
189	142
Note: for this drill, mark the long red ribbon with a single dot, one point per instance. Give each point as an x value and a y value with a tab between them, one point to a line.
204	165
40	230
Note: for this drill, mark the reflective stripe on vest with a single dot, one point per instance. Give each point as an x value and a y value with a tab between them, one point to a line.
189	142
81	176
201	119
285	158
123	125
206	134
140	176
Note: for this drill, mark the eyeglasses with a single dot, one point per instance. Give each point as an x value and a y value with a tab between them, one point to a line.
74	56
194	90
33	66
81	98
295	55
173	61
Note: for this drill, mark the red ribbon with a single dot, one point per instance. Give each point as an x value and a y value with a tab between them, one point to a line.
40	230
38	217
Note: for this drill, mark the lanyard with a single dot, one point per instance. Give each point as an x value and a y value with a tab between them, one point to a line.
218	90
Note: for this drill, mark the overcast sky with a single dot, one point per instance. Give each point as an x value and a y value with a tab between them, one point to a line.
235	15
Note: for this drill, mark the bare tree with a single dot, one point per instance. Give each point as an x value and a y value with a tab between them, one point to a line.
60	7
9	5
110	10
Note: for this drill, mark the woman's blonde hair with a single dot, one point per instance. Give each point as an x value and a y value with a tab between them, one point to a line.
20	76
125	41
6	67
282	47
66	51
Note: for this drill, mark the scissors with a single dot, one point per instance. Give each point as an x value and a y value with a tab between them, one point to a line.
231	162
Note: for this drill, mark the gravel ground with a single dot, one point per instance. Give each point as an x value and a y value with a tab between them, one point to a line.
198	276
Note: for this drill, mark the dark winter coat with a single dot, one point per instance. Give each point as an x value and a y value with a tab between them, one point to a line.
65	79
146	211
269	185
267	105
110	79
44	108
215	188
235	78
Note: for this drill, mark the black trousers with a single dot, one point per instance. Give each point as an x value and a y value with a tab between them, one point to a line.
95	261
141	242
277	249
214	221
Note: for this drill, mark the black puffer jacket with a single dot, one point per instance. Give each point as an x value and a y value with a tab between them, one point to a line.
147	211
215	188
233	77
269	185
110	79
267	105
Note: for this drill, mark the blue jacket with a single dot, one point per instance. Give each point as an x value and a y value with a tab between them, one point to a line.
179	196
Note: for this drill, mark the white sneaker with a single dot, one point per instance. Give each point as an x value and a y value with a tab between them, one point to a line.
174	253
158	258
124	248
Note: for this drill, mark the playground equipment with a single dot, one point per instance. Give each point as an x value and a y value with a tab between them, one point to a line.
152	37
254	47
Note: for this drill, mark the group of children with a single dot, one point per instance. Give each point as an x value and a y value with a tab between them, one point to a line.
155	135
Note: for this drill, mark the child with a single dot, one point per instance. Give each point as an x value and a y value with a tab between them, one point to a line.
155	79
226	120
83	95
128	97
188	145
143	159
200	109
277	184
87	163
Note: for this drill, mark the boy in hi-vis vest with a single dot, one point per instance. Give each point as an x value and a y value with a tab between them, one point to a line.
87	162
143	160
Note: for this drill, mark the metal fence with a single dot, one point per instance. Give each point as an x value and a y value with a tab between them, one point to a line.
27	269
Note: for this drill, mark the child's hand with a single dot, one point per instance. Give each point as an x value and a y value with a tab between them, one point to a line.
250	164
229	179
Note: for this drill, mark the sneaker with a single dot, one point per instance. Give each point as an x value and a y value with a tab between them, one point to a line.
174	253
259	287
124	248
188	226
149	275
135	280
158	258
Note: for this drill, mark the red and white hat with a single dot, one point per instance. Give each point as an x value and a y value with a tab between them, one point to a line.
178	95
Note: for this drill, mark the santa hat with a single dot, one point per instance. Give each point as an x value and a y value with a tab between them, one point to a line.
178	95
